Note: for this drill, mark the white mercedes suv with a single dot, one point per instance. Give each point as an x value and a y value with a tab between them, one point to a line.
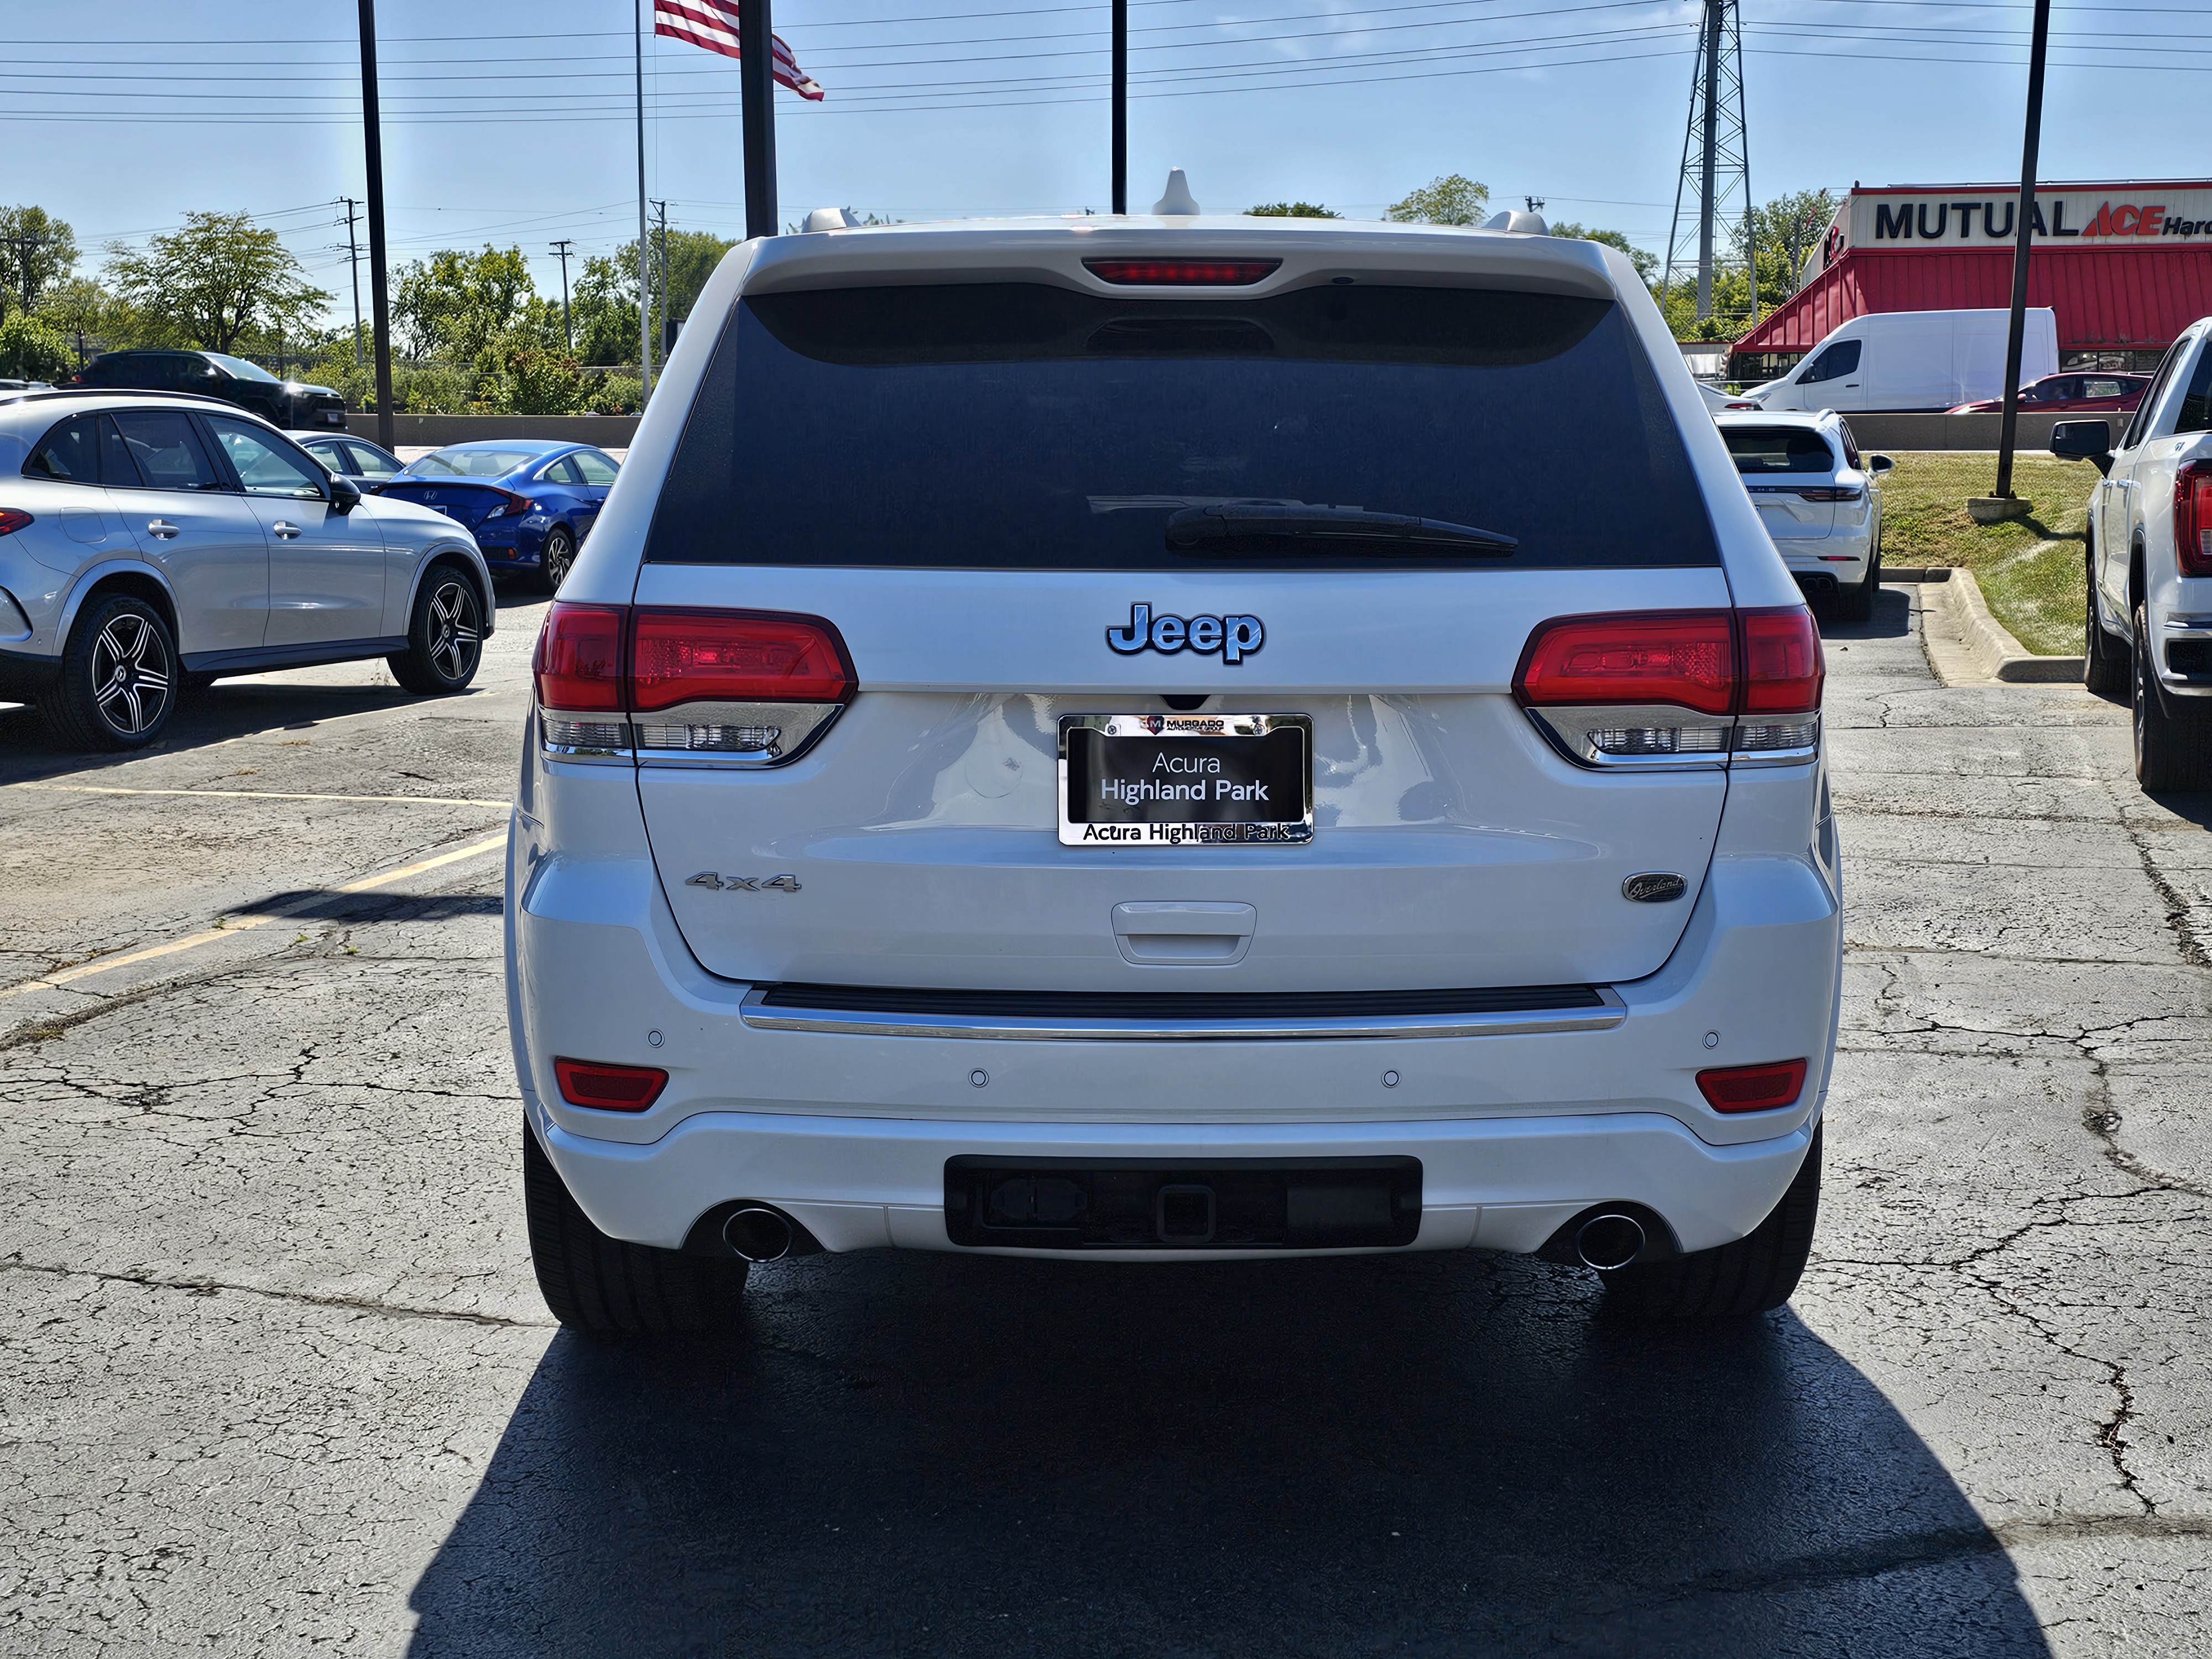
1159	739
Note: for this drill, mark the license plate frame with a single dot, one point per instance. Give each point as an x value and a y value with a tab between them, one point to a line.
1196	739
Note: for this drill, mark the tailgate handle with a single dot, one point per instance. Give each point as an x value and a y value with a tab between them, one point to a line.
1184	932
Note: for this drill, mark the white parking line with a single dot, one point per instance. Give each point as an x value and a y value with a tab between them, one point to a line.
254	794
103	964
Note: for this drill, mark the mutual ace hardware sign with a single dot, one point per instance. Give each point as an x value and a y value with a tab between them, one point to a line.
1985	216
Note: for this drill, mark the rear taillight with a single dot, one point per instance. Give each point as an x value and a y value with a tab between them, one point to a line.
11	520
1676	687
511	506
1184	273
744	687
2192	518
1830	493
609	1088
1753	1088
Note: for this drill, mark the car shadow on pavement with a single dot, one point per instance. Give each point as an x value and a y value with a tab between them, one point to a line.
905	1453
1892	618
28	754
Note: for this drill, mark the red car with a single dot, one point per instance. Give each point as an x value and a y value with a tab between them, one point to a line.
2084	389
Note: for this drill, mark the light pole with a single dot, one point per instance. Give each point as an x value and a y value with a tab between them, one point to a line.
2029	144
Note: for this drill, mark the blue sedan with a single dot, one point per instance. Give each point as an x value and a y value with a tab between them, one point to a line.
530	503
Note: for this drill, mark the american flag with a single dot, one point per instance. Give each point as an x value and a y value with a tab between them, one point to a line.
713	24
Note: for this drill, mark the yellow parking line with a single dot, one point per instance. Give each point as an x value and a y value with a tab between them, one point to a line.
243	924
254	794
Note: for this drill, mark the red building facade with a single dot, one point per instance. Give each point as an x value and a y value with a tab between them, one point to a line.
2126	266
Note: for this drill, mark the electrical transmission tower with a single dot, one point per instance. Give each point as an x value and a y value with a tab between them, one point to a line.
1711	232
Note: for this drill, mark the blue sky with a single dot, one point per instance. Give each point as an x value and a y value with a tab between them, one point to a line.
511	122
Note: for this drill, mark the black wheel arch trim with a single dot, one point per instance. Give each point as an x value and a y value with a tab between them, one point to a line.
479	578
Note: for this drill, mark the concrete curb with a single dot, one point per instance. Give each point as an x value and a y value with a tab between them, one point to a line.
1981	643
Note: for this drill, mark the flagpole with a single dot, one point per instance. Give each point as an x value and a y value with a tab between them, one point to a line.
756	89
644	295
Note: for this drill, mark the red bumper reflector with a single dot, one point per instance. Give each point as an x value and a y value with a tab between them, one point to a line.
1184	273
614	1088
1753	1088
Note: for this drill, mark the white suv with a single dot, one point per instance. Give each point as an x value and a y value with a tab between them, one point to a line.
2150	629
1819	498
1162	739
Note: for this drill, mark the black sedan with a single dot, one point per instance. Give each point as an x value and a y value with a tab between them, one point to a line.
285	403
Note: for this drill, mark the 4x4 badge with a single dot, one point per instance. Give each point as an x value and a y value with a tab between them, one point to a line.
744	883
1234	637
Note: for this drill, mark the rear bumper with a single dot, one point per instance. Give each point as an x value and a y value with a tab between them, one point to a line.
849	1131
858	1183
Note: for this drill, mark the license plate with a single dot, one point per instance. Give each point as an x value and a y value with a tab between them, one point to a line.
1184	780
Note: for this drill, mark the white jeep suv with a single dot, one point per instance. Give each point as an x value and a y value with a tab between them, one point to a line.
2149	630
1163	739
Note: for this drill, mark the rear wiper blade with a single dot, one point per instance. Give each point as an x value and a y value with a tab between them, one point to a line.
1272	526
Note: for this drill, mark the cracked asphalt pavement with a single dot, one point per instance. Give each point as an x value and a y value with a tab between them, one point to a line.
274	1378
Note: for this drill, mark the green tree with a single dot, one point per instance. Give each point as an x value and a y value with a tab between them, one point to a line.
1292	210
1784	233
1452	199
32	349
1646	263
453	305
79	306
36	251
603	310
214	281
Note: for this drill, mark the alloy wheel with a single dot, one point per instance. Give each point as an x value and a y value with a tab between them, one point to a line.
456	634
132	677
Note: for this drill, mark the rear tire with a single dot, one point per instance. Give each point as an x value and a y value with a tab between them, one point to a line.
558	558
2105	669
608	1286
1856	604
1753	1275
119	678
2173	751
445	638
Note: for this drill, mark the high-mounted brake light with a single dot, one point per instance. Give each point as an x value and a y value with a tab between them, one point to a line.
1753	1088
2192	518
1184	273
12	520
1672	688
745	688
609	1088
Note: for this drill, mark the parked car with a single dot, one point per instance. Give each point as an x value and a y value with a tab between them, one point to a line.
24	385
2150	614
350	457
530	503
1819	498
1914	360
1716	400
283	403
2088	389
151	542
986	790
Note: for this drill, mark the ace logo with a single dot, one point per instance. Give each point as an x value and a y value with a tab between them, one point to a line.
1234	637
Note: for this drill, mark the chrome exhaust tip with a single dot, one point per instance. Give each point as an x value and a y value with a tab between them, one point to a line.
1608	1241
759	1234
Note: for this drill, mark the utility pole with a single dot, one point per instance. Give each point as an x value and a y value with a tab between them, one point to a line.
26	249
561	247
2007	430
667	318
1121	106
373	144
1536	204
353	264
644	297
757	92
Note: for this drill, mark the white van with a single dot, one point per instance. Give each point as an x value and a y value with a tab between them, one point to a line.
1908	360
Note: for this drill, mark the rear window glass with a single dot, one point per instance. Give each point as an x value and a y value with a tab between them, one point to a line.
1021	426
471	463
1778	449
